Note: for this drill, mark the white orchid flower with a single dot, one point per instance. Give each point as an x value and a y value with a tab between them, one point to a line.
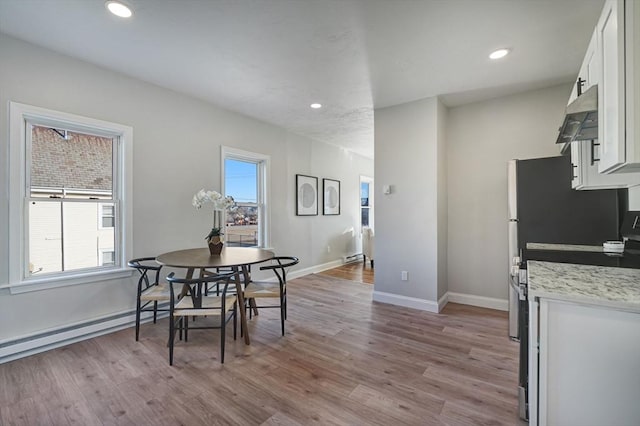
214	197
196	202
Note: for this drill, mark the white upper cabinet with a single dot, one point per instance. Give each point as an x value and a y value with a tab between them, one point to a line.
588	74
585	155
618	41
584	161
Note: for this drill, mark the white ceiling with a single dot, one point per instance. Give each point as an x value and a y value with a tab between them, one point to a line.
270	59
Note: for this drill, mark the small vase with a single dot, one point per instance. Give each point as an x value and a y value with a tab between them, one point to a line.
215	246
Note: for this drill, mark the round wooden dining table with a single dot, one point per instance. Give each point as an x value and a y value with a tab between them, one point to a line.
239	259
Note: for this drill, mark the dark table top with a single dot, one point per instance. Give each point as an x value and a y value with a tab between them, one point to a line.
201	258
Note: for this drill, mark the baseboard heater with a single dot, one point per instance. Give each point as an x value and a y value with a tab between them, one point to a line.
354	258
40	342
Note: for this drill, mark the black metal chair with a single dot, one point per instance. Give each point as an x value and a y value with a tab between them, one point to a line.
265	289
207	272
188	298
150	290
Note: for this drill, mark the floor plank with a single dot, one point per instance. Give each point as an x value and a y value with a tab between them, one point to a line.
344	360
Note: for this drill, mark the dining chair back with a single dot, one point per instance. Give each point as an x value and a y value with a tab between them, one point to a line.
151	291
271	289
368	245
189	298
216	285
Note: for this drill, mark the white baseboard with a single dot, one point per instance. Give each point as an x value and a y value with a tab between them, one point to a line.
431	306
410	302
54	338
442	302
314	269
480	301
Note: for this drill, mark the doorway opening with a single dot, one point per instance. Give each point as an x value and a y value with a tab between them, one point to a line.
361	268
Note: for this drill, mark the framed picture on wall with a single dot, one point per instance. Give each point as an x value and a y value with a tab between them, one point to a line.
306	195
330	196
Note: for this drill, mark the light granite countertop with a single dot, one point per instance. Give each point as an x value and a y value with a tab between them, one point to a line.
563	247
617	288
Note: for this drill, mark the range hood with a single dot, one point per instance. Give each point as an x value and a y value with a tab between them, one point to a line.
581	118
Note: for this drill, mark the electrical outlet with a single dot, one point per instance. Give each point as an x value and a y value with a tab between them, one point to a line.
404	276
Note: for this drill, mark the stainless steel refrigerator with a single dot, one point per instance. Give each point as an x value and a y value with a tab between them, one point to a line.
544	209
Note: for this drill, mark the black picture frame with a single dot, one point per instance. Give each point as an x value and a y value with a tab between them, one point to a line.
330	197
306	195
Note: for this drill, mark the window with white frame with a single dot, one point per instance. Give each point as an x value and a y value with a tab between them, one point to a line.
245	177
67	195
366	202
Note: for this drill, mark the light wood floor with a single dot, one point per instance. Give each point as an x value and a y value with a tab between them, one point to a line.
343	361
352	271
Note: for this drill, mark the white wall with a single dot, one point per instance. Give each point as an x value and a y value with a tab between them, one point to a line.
176	151
409	156
634	198
481	138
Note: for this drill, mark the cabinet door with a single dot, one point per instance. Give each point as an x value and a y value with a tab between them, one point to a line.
611	99
534	362
632	74
590	69
589	371
591	178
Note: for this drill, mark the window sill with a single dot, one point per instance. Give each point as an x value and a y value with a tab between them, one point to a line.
68	280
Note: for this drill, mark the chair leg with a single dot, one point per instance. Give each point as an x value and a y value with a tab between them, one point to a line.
371	263
282	314
235	320
171	338
223	327
138	319
242	307
285	306
155	310
186	329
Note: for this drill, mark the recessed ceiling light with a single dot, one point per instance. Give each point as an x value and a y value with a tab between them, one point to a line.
316	106
119	9
500	53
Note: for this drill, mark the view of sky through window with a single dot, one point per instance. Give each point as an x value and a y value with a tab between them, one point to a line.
364	194
241	180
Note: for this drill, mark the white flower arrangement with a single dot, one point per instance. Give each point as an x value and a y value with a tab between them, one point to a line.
220	204
214	197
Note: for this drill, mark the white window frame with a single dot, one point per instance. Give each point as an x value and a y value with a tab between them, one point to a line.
264	180
369	180
20	115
